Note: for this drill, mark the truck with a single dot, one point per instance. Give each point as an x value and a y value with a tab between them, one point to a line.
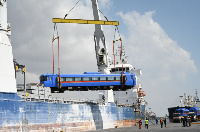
177	117
179	114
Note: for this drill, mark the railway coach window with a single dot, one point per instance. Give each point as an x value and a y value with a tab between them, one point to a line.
69	78
95	78
118	78
44	78
102	78
111	78
77	78
86	79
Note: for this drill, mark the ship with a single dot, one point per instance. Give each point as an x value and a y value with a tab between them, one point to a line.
33	107
188	102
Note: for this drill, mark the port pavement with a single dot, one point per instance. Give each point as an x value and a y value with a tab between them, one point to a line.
171	127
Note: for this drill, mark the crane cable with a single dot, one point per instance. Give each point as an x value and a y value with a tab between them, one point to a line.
100	11
77	3
71	9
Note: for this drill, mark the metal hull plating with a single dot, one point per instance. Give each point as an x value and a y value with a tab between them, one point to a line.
16	113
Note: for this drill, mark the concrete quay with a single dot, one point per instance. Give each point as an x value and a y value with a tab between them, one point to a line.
171	127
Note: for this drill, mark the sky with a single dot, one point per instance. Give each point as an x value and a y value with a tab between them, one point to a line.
160	38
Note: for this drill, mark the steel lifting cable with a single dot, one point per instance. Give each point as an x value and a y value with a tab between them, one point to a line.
77	3
75	6
71	9
100	11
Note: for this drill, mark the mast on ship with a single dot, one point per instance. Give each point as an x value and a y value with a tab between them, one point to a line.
7	73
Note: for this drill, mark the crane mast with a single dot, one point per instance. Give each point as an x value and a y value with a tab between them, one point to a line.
99	39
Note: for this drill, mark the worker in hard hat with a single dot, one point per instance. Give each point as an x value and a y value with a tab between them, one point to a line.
161	122
183	120
140	124
165	121
146	123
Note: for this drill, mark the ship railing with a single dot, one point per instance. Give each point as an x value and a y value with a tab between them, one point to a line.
41	98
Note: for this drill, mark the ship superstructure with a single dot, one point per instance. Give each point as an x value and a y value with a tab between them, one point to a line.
7	74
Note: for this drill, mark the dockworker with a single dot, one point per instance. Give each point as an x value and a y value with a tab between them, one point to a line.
189	120
156	121
183	120
161	122
140	124
186	121
146	123
165	120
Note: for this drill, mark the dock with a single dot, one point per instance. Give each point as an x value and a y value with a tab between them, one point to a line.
171	127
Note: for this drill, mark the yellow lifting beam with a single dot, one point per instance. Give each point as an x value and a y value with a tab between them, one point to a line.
82	21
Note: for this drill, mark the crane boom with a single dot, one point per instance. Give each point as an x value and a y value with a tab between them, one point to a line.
99	38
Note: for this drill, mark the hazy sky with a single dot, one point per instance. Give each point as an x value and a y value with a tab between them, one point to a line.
160	37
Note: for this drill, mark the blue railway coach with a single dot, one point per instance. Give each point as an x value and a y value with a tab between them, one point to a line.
88	81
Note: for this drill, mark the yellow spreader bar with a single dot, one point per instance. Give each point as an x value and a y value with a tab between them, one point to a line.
82	21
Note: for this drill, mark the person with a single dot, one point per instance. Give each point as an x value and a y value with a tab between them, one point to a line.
140	124
156	121
189	120
146	123
161	122
183	120
186	121
165	121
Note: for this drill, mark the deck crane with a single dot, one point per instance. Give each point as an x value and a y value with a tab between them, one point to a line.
101	53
